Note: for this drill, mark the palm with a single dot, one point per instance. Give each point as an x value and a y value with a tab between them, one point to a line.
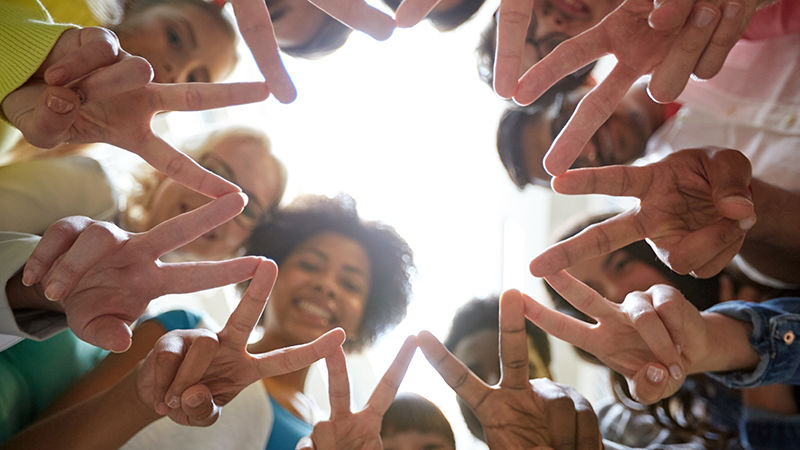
513	418
359	431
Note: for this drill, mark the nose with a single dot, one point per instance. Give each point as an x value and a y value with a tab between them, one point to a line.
325	282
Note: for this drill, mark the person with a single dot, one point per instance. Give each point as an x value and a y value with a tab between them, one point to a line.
473	340
446	15
303	30
413	422
336	271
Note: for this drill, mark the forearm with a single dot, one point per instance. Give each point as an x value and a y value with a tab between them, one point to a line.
105	421
728	344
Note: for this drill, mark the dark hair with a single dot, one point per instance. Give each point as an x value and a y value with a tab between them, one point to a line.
509	141
449	19
486	50
391	259
413	412
330	37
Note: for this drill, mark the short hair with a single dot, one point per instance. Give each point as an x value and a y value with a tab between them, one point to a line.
487	45
509	141
450	19
390	257
413	412
481	314
330	37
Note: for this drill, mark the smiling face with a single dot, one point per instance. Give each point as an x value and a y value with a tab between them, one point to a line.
242	160
183	42
295	21
616	274
323	283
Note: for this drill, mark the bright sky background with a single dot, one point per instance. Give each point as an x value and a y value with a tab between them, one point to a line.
407	128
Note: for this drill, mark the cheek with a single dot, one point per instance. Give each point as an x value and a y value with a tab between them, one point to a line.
234	234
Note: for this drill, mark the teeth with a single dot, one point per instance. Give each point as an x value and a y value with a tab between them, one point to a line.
315	310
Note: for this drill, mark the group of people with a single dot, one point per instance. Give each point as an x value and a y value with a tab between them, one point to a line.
697	324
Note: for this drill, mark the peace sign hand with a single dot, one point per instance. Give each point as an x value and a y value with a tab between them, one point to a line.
518	412
350	431
212	368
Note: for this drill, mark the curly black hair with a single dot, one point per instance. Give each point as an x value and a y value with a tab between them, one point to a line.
391	259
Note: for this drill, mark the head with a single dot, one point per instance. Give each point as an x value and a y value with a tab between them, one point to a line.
447	14
524	135
240	155
305	31
184	40
335	270
414	423
473	339
539	44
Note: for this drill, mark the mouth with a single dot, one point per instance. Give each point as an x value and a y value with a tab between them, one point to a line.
313	312
574	9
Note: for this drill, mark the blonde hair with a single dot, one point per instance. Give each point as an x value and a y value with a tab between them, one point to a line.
139	202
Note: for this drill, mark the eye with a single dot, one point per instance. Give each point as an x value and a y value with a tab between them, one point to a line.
351	286
308	266
620	262
174	39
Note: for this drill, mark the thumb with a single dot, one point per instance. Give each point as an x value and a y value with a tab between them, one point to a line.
730	173
670	14
108	332
649	384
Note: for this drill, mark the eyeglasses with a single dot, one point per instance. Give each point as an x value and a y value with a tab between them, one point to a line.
254	210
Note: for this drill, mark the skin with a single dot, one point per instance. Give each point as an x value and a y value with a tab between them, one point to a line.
414	440
295	21
183	43
254	170
323	283
616	274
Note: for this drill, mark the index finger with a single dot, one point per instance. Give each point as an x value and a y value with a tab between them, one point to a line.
513	341
411	12
592	111
558	324
513	19
256	27
338	384
188	226
359	15
598	239
202	96
384	393
465	383
581	296
245	317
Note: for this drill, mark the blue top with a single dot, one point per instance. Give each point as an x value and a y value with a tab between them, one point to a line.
286	428
33	374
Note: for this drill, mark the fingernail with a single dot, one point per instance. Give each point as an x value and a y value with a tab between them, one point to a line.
732	10
703	17
739	200
59	105
27	277
675	371
162	408
174	402
54	291
655	375
57	76
195	400
746	224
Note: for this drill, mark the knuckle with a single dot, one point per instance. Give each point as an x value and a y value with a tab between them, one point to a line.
193	98
167	358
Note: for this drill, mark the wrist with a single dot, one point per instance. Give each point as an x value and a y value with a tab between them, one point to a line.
728	345
28	297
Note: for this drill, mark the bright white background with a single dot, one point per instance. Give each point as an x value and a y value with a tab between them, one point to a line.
407	128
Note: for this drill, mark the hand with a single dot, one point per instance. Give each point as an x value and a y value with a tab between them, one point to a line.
362	430
652	338
670	55
48	115
104	277
411	12
256	27
517	413
695	209
189	374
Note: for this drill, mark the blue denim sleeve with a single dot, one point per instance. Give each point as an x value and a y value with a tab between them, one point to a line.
776	325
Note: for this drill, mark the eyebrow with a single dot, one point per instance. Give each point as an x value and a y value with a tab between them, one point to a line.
347	267
190	31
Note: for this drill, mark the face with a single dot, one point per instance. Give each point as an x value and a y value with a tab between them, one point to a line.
414	440
322	284
616	274
295	21
555	21
245	162
479	351
182	42
620	140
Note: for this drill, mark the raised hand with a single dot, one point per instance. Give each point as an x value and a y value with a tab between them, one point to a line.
104	277
255	24
191	369
123	120
652	338
670	54
695	209
362	430
518	412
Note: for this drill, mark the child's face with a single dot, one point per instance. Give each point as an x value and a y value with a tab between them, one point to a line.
182	42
